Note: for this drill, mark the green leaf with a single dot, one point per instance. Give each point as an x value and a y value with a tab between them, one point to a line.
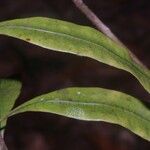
71	38
94	104
9	91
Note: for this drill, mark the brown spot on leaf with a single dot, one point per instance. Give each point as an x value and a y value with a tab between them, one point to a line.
27	39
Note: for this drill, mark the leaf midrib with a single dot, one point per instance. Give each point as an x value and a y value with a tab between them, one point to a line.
85	40
82	103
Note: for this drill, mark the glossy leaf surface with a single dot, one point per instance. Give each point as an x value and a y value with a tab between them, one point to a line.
71	38
94	104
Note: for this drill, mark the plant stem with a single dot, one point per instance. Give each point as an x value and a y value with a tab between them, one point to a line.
101	26
95	20
2	142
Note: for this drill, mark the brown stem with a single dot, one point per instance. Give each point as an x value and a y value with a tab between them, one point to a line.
101	26
2	142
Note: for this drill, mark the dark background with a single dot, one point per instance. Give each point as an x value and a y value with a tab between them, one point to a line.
42	71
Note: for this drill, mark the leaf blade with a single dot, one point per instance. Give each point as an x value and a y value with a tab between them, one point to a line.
9	91
94	104
71	38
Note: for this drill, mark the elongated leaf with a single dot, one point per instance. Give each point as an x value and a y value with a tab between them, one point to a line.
9	91
68	37
95	104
